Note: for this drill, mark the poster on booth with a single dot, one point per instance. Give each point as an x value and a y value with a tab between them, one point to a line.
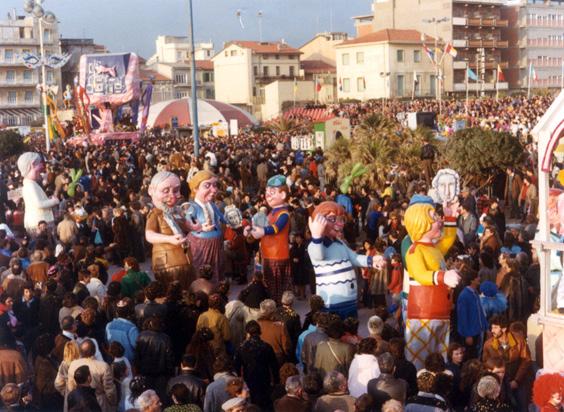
219	129
110	78
234	127
295	143
307	143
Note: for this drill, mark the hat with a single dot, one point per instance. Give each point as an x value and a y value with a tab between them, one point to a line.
416	199
488	288
233	403
276	181
198	178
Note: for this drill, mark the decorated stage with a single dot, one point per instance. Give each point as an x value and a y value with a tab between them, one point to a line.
101	138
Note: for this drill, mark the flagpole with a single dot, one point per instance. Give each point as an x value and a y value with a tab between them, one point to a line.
413	88
497	85
529	81
466	91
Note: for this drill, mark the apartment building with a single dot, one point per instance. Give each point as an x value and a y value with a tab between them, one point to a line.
20	101
474	27
536	30
176	49
243	69
385	64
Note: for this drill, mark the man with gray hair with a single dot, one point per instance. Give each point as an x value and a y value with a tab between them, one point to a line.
274	332
149	401
291	319
385	386
294	400
336	394
375	327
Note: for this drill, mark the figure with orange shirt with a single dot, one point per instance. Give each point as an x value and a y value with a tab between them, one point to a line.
274	239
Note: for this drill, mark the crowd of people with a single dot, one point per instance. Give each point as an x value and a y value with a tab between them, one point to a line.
83	327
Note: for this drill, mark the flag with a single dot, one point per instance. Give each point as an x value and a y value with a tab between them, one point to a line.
500	75
471	75
532	72
450	50
340	85
415	81
317	85
429	53
295	86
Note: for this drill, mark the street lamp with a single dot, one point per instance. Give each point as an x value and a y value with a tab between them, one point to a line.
195	126
34	8
438	72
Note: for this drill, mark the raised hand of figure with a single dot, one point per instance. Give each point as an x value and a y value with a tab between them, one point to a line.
247	231
378	262
207	227
450	209
317	226
452	278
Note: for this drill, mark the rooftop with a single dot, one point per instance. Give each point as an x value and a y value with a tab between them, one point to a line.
390	36
264	47
148	74
317	66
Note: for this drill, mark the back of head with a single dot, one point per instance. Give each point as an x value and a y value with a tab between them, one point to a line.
253	328
334	382
426	382
375	325
267	308
222	363
293	384
181	394
367	346
434	362
288	298
81	375
386	362
87	348
10	394
146	399
488	387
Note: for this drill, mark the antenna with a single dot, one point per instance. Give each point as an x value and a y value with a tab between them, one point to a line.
259	16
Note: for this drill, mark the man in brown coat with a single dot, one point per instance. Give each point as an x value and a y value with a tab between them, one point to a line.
38	268
12	367
101	373
334	354
274	332
513	183
293	401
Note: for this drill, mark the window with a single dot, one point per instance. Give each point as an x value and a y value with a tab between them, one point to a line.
226	53
345	59
399	56
233	53
417	56
49	78
265	71
360	84
292	71
11	76
277	70
207	77
400	87
418	85
277	57
346	85
265	57
180	78
178	55
181	95
28	97
27	76
255	70
8	55
46	35
359	57
12	97
254	91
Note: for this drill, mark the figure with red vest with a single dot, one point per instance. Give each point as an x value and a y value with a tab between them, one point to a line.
274	243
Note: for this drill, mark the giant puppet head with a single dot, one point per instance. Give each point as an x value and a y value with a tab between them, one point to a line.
276	191
421	221
165	190
333	216
204	186
31	165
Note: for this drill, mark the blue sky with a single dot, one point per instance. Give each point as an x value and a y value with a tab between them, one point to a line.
133	25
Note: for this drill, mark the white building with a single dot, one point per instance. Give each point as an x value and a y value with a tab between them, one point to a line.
384	64
176	49
19	98
243	68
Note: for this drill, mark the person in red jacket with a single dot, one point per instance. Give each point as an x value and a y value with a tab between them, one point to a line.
396	277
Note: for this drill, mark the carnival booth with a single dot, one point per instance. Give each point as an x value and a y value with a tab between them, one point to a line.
328	131
549	241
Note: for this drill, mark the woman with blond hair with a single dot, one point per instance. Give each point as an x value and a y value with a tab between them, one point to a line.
70	353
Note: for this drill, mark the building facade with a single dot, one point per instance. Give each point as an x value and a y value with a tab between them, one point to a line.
475	28
20	100
181	79
384	64
176	49
243	69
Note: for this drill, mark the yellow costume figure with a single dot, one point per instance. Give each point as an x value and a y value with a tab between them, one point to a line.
429	302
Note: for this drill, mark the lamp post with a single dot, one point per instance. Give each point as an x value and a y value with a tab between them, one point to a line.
34	8
438	71
195	126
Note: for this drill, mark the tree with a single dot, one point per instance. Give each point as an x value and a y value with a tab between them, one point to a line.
11	144
478	154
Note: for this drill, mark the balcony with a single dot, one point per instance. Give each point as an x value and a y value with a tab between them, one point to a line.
542	42
22	42
488	44
11	62
32	104
555	81
550	62
476	87
489	65
543	23
460	43
18	83
487	2
486	22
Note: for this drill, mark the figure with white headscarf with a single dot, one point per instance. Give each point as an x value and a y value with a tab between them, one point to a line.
171	259
38	207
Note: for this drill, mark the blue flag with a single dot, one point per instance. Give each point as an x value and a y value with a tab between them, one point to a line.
471	75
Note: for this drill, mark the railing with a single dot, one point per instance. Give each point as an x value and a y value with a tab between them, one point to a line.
544	22
552	82
551	62
5	104
486	22
492	2
13	83
501	44
473	86
544	42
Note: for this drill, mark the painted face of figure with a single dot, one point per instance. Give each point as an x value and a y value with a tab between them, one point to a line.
446	187
555	399
233	217
207	190
36	169
335	225
275	196
167	192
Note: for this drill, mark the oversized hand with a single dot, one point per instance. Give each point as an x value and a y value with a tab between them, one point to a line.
450	209
452	278
317	226
257	232
378	262
177	239
207	227
196	227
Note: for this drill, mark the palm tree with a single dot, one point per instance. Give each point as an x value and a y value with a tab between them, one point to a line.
335	157
283	124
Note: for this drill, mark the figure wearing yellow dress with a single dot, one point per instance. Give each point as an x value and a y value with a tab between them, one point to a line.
430	302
